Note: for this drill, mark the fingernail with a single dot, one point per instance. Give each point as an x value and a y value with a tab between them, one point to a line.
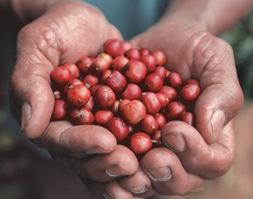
176	142
107	196
113	172
139	190
26	114
217	122
161	174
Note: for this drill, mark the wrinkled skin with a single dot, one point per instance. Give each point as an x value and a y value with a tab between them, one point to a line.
68	31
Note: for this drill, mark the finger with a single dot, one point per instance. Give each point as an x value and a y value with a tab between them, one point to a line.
138	184
110	190
221	96
77	141
120	162
167	173
44	44
208	161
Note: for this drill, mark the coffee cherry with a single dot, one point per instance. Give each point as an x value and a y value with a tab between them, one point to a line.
144	51
114	48
133	112
81	116
174	110
140	143
169	92
160	120
160	57
157	136
151	102
161	71
116	81
84	64
175	80
119	63
149	124
73	69
103	116
78	95
105	97
90	104
149	61
118	128
72	83
187	117
102	62
133	53
106	74
90	80
122	103
132	92
164	101
136	71
154	82
190	92
61	75
60	110
94	88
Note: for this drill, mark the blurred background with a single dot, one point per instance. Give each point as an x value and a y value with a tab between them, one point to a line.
28	172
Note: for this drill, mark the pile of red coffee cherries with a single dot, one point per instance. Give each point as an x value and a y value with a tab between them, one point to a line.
126	90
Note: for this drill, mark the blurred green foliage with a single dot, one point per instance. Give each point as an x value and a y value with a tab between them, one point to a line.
241	39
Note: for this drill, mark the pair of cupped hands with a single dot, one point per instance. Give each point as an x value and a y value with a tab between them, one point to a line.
190	155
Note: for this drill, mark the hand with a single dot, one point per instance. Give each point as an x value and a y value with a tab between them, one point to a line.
199	153
62	35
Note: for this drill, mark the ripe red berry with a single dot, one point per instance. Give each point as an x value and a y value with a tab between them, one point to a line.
106	74
90	80
133	53
160	57
151	102
81	116
102	62
118	128
161	71
72	83
153	82
160	120
133	112
90	104
132	92
94	88
60	110
61	75
74	70
175	80
136	71
174	110
169	92
149	61
157	136
164	101
103	116
188	118
85	63
190	92
149	124
119	63
116	81
105	97
140	143
122	103
78	95
114	47
144	51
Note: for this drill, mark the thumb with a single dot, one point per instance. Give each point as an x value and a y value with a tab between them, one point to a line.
31	95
